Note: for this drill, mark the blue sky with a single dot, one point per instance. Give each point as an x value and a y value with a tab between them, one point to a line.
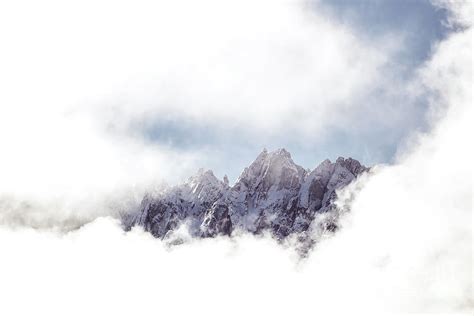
231	149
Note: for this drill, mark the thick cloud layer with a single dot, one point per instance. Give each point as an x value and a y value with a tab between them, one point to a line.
408	240
82	82
406	245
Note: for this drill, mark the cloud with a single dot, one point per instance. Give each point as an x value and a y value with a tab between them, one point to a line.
408	238
83	82
258	65
405	247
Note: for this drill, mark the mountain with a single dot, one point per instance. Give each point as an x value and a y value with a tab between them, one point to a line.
272	194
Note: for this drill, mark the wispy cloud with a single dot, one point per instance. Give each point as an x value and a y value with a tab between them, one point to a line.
80	84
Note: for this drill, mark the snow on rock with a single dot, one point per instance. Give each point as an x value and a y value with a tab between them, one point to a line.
272	194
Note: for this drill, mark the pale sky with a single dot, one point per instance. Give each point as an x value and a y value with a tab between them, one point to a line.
129	94
420	25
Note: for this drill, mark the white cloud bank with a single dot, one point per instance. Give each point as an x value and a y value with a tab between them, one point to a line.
405	247
78	79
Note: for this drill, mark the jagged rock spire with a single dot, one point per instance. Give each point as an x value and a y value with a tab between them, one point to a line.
273	193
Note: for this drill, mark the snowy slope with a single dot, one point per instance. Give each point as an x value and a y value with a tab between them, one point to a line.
272	194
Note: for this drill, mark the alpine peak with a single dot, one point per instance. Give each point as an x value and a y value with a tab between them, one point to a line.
272	194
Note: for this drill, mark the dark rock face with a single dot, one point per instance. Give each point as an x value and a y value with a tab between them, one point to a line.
217	221
272	194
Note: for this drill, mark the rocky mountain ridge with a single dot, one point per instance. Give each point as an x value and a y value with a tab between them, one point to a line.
273	194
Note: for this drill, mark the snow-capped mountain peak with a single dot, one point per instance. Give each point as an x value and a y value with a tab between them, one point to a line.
271	168
273	193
